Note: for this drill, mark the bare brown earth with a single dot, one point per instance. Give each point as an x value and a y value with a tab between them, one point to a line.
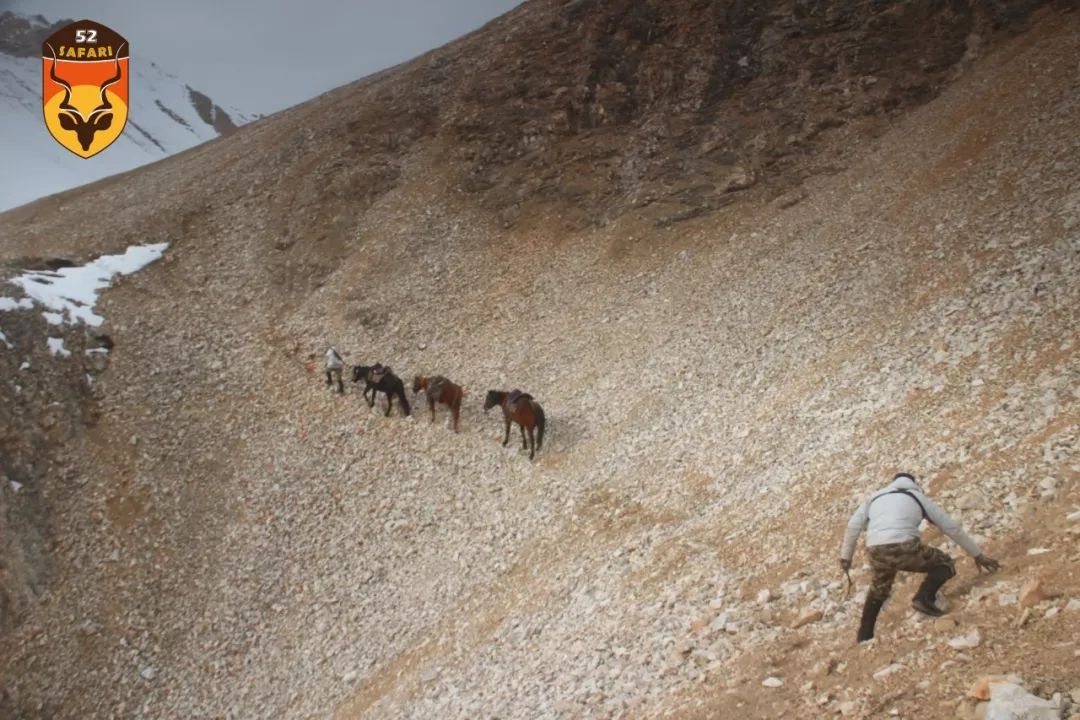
753	258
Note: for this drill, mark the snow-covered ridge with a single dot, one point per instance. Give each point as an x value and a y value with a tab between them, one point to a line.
69	294
165	116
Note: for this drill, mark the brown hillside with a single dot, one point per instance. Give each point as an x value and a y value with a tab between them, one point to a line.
753	258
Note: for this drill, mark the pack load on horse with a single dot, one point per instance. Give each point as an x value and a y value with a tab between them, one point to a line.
521	408
439	389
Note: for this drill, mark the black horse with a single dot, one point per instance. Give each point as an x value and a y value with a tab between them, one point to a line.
378	378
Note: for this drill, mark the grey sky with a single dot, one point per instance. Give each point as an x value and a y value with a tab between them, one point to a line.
262	57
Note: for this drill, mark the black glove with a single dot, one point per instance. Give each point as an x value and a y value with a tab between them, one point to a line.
845	565
988	564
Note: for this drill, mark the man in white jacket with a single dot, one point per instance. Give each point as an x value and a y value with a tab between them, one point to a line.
334	364
891	518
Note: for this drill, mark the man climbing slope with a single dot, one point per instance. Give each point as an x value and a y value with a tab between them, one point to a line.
891	518
334	364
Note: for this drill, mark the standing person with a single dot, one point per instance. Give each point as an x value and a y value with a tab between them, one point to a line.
891	518
334	364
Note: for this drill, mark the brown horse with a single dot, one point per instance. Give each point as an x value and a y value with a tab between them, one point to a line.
439	389
522	409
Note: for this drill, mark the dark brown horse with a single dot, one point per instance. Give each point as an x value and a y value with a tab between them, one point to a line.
439	389
522	409
381	379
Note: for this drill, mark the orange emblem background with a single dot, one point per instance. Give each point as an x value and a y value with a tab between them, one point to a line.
84	97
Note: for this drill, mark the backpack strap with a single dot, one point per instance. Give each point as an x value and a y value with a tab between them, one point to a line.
910	495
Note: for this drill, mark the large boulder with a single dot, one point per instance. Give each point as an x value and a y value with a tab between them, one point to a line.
1009	701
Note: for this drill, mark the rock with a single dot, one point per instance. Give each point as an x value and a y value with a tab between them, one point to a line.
1032	593
1072	605
739	179
764	597
945	624
888	670
1005	599
965	642
973	500
148	673
1038	551
808	616
1009	701
981	689
1073	516
772	682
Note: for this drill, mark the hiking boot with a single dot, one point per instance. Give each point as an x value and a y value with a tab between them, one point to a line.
869	619
926	607
925	600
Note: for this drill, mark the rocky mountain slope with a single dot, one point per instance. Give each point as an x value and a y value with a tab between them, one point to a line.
726	373
167	116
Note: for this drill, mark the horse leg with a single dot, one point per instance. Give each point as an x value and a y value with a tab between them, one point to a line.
506	435
329	382
532	444
389	403
522	428
431	406
456	409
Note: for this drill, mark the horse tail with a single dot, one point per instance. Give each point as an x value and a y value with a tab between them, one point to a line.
540	420
404	400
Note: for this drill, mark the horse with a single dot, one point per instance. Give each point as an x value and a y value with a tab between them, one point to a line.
381	379
439	389
522	409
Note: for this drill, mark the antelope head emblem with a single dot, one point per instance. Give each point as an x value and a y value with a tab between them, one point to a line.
100	118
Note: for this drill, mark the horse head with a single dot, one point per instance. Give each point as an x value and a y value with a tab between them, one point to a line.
359	373
494	397
419	382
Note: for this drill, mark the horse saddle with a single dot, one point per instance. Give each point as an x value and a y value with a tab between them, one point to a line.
516	395
377	373
435	384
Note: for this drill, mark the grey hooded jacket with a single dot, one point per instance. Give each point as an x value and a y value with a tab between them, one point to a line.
892	517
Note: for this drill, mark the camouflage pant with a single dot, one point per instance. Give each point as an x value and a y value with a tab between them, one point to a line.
910	556
333	375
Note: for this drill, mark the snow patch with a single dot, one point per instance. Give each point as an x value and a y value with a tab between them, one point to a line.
56	347
70	293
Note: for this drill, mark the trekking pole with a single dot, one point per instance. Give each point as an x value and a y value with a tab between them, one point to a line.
850	584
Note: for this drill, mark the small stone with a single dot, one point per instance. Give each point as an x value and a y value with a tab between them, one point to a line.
772	682
965	642
945	624
1051	613
810	615
349	676
764	597
148	673
888	670
1072	606
1038	551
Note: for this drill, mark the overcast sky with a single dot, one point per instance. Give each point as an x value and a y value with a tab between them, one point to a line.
264	56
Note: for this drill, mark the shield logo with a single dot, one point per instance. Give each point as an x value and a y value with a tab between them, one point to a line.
84	96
